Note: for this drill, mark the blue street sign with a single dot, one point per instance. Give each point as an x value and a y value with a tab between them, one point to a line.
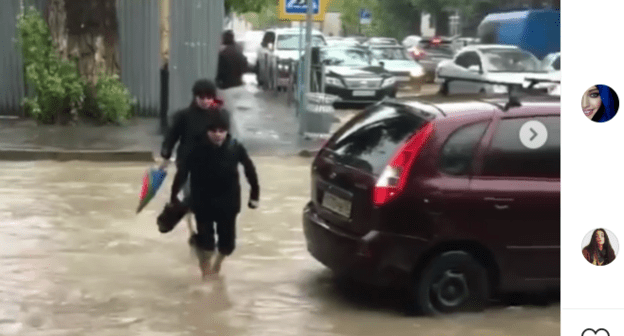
365	16
300	6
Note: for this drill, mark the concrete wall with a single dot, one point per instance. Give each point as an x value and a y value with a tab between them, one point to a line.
426	25
332	24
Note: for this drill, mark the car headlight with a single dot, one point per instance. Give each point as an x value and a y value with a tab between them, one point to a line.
499	89
333	81
417	72
389	81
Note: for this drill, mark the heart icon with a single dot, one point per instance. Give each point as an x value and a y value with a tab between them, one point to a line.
592	332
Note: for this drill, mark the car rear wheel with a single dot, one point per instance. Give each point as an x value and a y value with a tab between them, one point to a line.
452	282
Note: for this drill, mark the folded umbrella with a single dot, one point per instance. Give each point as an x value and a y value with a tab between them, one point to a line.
152	180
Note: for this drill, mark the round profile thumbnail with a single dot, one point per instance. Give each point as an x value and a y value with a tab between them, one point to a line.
600	103
600	247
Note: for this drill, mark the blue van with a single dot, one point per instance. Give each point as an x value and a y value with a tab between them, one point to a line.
536	31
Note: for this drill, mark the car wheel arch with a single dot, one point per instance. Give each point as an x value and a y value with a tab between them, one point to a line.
478	251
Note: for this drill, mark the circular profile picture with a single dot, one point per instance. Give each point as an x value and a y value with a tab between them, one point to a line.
600	103
600	247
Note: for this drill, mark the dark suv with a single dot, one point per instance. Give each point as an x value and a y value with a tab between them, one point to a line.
446	196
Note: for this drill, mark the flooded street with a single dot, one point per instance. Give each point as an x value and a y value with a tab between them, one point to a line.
77	260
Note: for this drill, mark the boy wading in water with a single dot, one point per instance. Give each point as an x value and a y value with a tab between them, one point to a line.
216	192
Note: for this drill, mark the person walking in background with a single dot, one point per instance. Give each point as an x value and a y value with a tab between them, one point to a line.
216	191
188	125
232	65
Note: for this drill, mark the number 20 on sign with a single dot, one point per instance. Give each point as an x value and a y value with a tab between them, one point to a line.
295	10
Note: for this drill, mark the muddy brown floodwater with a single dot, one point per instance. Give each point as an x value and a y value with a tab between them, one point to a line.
75	259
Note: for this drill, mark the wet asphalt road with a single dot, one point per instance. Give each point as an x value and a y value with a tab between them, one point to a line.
77	260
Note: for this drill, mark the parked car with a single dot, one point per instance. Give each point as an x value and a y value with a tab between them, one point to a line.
430	52
359	38
552	62
478	64
439	196
411	41
283	44
347	42
398	61
381	41
355	76
461	42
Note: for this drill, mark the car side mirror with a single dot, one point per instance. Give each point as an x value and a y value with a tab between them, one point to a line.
381	64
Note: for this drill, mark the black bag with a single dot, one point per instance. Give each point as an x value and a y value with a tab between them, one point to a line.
171	215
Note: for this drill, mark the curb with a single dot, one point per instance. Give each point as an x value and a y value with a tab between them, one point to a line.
77	155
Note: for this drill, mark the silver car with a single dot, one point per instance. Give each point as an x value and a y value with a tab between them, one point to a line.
397	61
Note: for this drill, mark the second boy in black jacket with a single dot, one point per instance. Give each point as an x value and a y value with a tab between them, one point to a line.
216	191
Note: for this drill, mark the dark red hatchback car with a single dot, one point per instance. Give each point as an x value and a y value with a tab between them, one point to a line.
454	198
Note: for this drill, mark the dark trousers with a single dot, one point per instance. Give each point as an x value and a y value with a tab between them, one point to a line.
225	230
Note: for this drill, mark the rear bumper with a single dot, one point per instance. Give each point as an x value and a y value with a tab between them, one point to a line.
347	95
378	258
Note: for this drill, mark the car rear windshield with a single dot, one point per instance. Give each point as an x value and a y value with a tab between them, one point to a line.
504	60
291	42
439	50
369	140
391	54
346	57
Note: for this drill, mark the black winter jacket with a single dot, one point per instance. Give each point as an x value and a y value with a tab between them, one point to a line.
188	125
231	67
215	184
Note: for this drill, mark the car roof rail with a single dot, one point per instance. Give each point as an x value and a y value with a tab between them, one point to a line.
513	89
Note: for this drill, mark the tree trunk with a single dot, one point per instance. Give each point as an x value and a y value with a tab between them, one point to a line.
442	23
416	22
165	9
57	18
86	30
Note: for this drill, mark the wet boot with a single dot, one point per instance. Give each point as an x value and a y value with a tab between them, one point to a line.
217	264
204	262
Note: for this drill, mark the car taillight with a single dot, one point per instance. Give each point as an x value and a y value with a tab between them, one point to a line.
392	180
436	41
417	53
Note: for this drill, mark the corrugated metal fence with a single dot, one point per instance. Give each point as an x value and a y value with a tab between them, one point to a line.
12	89
139	50
196	27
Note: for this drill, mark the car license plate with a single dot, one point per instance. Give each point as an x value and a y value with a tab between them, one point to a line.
337	204
363	93
403	79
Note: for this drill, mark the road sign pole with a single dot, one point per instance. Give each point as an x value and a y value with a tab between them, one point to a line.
300	79
307	58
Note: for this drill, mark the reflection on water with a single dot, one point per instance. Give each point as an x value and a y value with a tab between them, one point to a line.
76	260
